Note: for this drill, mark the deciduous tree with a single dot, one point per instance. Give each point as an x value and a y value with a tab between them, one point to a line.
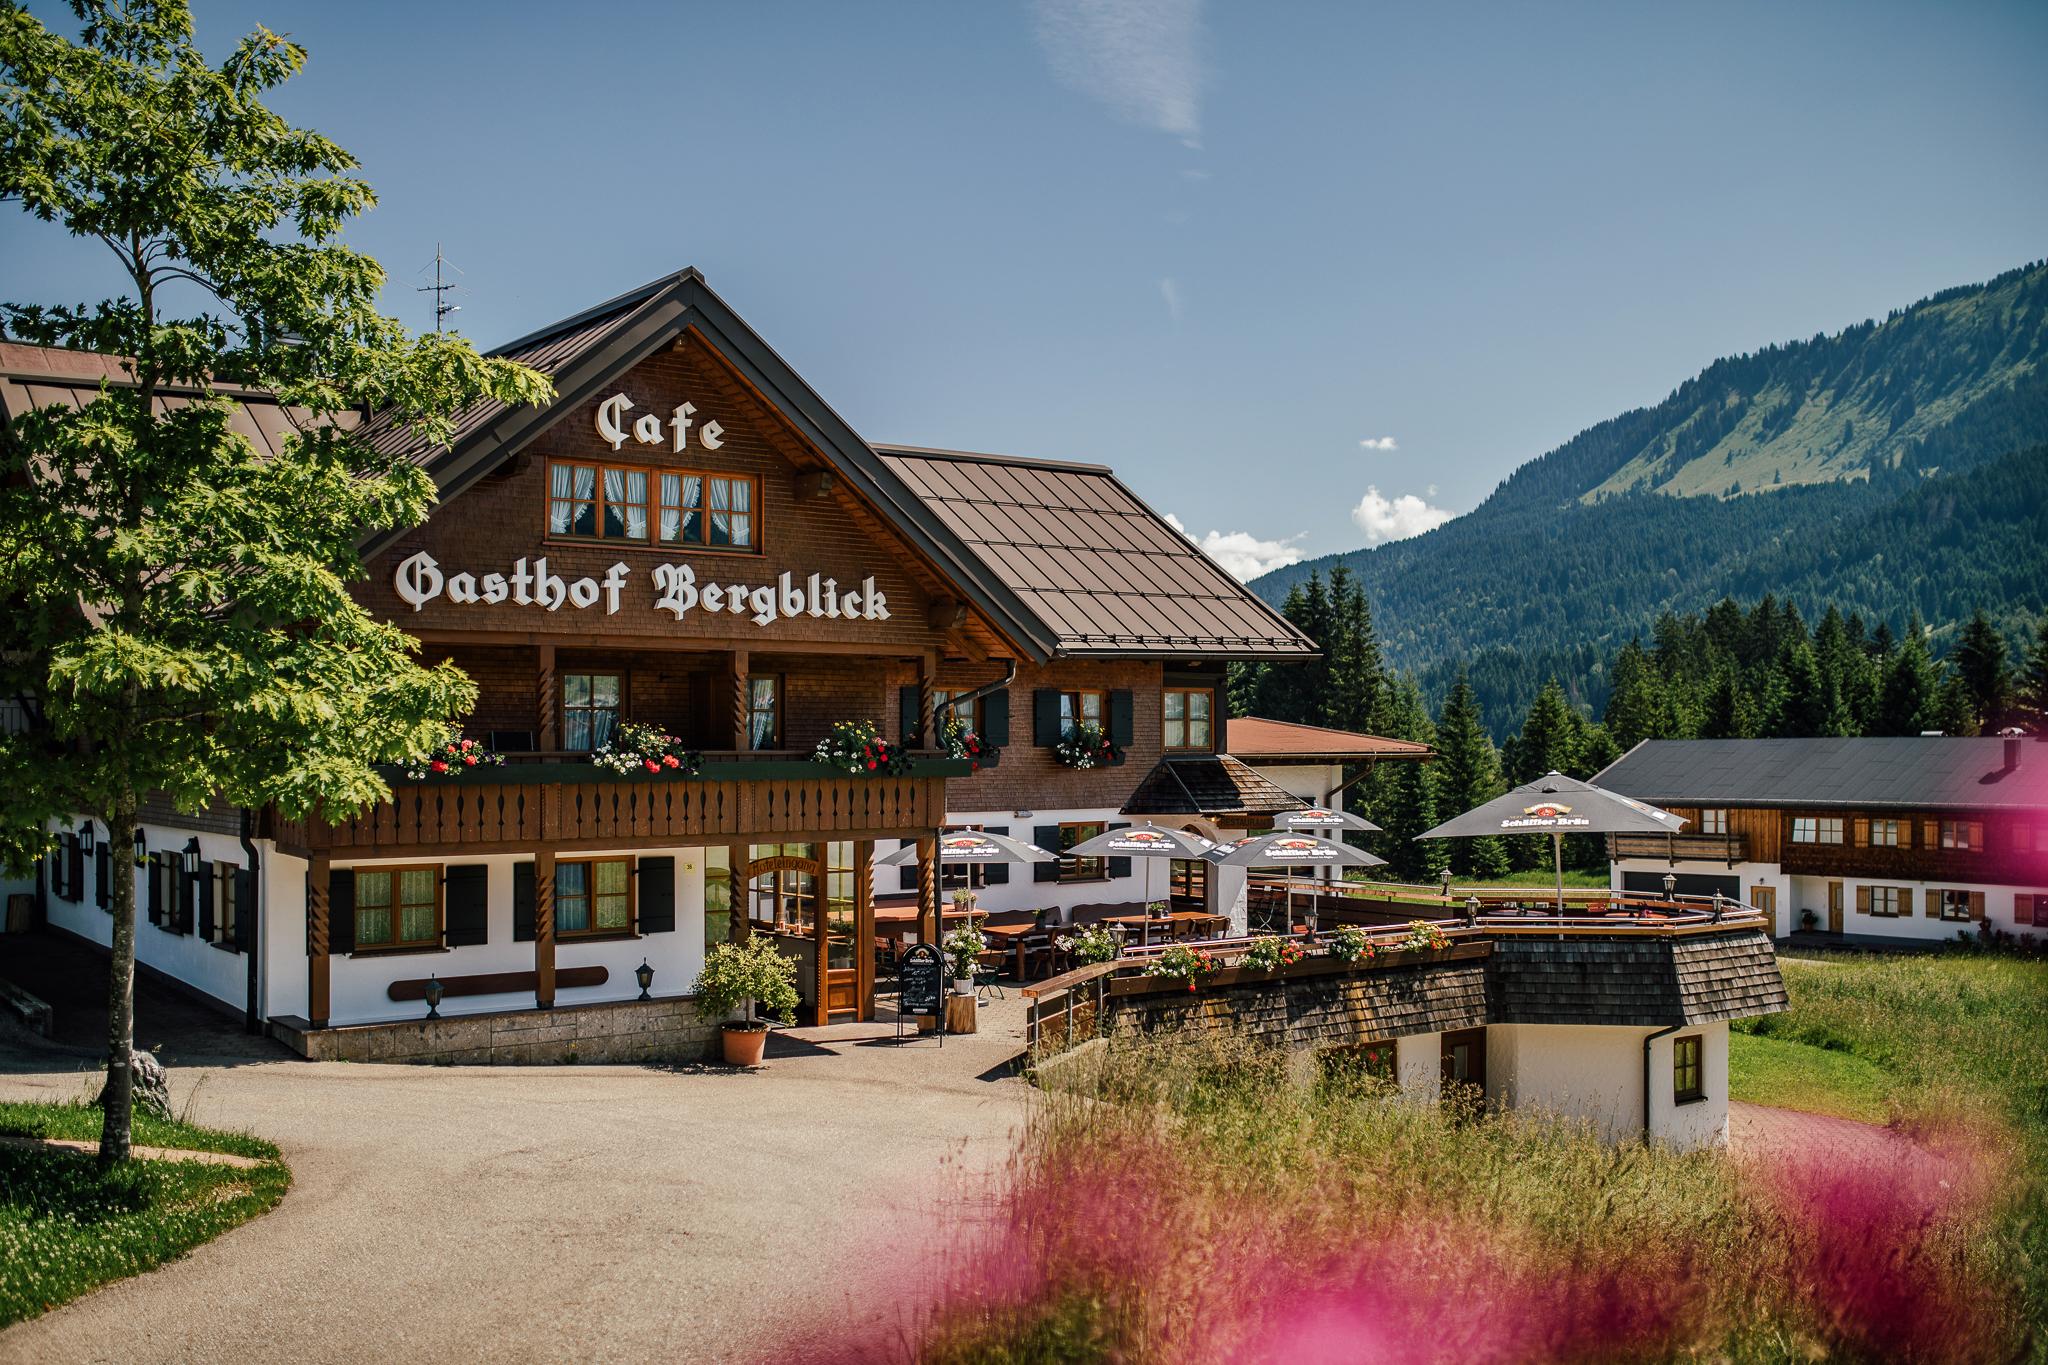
176	614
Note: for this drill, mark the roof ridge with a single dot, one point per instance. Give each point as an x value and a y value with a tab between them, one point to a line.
987	457
632	298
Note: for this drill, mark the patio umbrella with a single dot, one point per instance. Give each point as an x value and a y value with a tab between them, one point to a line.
1288	849
1143	841
1558	805
1322	819
972	846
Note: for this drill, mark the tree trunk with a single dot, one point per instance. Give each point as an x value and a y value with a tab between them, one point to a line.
117	1121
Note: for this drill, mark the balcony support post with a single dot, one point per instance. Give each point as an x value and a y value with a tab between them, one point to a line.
544	928
546	737
742	703
927	729
317	880
739	925
929	923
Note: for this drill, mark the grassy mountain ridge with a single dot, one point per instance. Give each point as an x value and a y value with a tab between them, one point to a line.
1928	496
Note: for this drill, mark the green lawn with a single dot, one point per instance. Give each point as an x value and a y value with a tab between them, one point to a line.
66	1228
1791	1075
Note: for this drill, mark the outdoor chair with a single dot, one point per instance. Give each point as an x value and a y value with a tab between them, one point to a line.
1038	955
987	967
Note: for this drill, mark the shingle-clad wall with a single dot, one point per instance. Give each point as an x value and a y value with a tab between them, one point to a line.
1318	1011
1648	981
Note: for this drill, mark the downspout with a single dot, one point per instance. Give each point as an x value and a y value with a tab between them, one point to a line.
251	1020
986	689
1660	1033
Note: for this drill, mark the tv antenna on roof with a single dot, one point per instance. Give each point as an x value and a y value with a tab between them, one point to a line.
440	290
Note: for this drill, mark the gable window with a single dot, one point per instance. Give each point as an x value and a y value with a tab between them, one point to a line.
764	711
398	907
947	701
1079	707
1688	1069
1967	835
594	896
1186	713
1713	822
1081	869
590	710
1816	829
650	506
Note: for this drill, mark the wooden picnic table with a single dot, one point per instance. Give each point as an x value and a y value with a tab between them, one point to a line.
898	922
1145	924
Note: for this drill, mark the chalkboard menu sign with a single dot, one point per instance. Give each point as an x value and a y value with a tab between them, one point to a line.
923	980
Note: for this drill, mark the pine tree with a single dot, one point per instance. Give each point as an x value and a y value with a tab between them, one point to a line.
1468	775
1550	739
2034	681
1637	708
1356	673
1731	714
1907	703
1954	713
1804	710
1981	667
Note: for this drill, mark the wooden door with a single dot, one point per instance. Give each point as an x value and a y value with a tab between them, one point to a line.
1464	1058
1834	907
1764	899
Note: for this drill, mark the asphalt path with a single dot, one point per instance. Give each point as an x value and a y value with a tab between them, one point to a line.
544	1213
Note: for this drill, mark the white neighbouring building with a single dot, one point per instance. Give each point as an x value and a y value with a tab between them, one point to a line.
1915	838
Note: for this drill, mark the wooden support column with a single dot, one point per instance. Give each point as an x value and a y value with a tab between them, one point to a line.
544	929
928	922
741	702
864	926
927	675
738	927
547	732
316	942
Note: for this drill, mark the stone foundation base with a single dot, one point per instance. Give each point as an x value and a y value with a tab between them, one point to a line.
659	1030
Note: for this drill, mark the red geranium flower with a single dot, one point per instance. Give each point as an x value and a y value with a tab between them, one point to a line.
871	765
469	760
671	761
652	766
438	766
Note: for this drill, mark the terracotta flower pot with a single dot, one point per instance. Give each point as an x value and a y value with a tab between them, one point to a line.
744	1044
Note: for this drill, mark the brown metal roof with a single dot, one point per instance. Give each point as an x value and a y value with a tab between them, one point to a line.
1257	739
1088	557
1209	785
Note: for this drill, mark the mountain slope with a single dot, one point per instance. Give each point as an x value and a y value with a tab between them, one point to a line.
1892	467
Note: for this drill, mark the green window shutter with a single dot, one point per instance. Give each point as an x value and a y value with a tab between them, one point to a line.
524	902
657	895
341	913
467	900
181	894
207	882
1119	867
102	876
1122	726
154	875
908	716
245	908
1046	837
997	874
995	718
1045	717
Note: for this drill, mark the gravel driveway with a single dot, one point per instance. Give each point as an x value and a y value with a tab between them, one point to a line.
525	1213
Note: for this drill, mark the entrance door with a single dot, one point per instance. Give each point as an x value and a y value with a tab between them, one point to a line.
1834	907
1764	899
820	911
1464	1059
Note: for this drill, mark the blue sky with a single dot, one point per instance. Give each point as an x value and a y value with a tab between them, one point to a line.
1308	276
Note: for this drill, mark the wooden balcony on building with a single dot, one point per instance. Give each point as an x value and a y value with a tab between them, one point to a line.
1679	848
576	806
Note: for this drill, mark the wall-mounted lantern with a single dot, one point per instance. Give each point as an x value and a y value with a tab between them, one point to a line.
141	847
191	856
645	975
433	993
88	838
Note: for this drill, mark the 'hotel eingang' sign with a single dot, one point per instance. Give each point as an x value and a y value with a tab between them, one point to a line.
419	580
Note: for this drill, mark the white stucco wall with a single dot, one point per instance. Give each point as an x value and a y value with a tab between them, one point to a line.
221	973
1419	1065
1596	1074
1797	893
357	984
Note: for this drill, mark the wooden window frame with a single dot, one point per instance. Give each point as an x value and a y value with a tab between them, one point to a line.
397	945
562	707
972	717
1899	897
1959	907
1806	829
632	930
780	681
1714	820
1188	694
1069	866
652	507
1694	1066
225	908
1894	828
1078	694
1969	832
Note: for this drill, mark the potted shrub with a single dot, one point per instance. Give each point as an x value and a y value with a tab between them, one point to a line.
1271	954
738	976
1808	919
963	947
1095	943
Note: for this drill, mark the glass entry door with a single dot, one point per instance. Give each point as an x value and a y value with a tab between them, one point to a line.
809	896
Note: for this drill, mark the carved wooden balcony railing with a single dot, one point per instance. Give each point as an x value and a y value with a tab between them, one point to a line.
572	806
1716	848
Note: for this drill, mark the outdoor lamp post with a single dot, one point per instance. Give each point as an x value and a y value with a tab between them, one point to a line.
191	856
1670	886
1472	910
141	847
433	994
645	975
1447	886
87	838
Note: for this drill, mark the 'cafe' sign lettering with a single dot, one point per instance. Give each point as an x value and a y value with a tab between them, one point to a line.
419	580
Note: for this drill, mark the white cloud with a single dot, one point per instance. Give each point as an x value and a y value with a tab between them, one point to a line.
1140	57
1383	518
1241	554
1169	289
1378	443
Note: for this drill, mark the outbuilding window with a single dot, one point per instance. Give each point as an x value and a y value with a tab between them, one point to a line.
1688	1070
1815	829
1714	821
